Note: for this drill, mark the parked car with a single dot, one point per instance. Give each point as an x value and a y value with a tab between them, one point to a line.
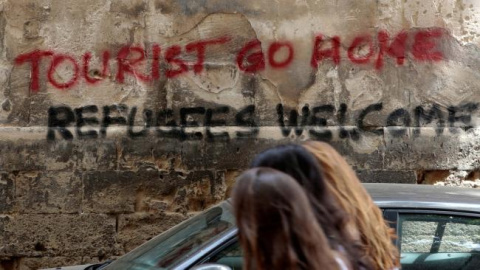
438	228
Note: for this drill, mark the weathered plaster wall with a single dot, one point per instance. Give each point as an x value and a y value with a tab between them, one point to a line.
119	119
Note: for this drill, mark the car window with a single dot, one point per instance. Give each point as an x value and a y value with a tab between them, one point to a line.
461	237
434	242
231	256
439	242
417	236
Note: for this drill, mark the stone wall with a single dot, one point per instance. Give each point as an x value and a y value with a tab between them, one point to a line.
119	119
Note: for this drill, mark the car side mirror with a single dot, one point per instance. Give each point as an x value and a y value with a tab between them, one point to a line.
211	266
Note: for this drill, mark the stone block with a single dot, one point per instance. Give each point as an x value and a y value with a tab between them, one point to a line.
431	177
233	155
468	155
364	153
193	155
152	191
7	192
3	236
376	176
230	178
126	191
48	192
40	235
38	155
200	190
423	149
97	155
158	153
20	156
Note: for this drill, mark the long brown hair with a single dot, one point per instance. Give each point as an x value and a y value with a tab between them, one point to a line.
342	182
300	164
277	228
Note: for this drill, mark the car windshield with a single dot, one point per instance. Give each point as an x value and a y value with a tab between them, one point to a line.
175	245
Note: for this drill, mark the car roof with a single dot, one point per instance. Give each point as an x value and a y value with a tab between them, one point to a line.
424	197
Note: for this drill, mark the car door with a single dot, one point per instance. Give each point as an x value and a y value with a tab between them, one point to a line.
427	239
436	239
229	253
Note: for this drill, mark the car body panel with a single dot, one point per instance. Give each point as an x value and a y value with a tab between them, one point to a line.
75	267
425	197
229	235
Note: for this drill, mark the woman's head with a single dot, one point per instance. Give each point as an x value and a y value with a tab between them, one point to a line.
277	227
295	161
348	191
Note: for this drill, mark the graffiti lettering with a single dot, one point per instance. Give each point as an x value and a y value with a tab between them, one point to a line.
34	58
147	118
399	118
344	132
319	55
128	65
132	60
59	118
89	121
200	48
465	116
86	67
396	49
425	116
245	118
57	60
255	59
210	122
321	134
272	52
293	123
370	109
355	48
424	47
214	124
